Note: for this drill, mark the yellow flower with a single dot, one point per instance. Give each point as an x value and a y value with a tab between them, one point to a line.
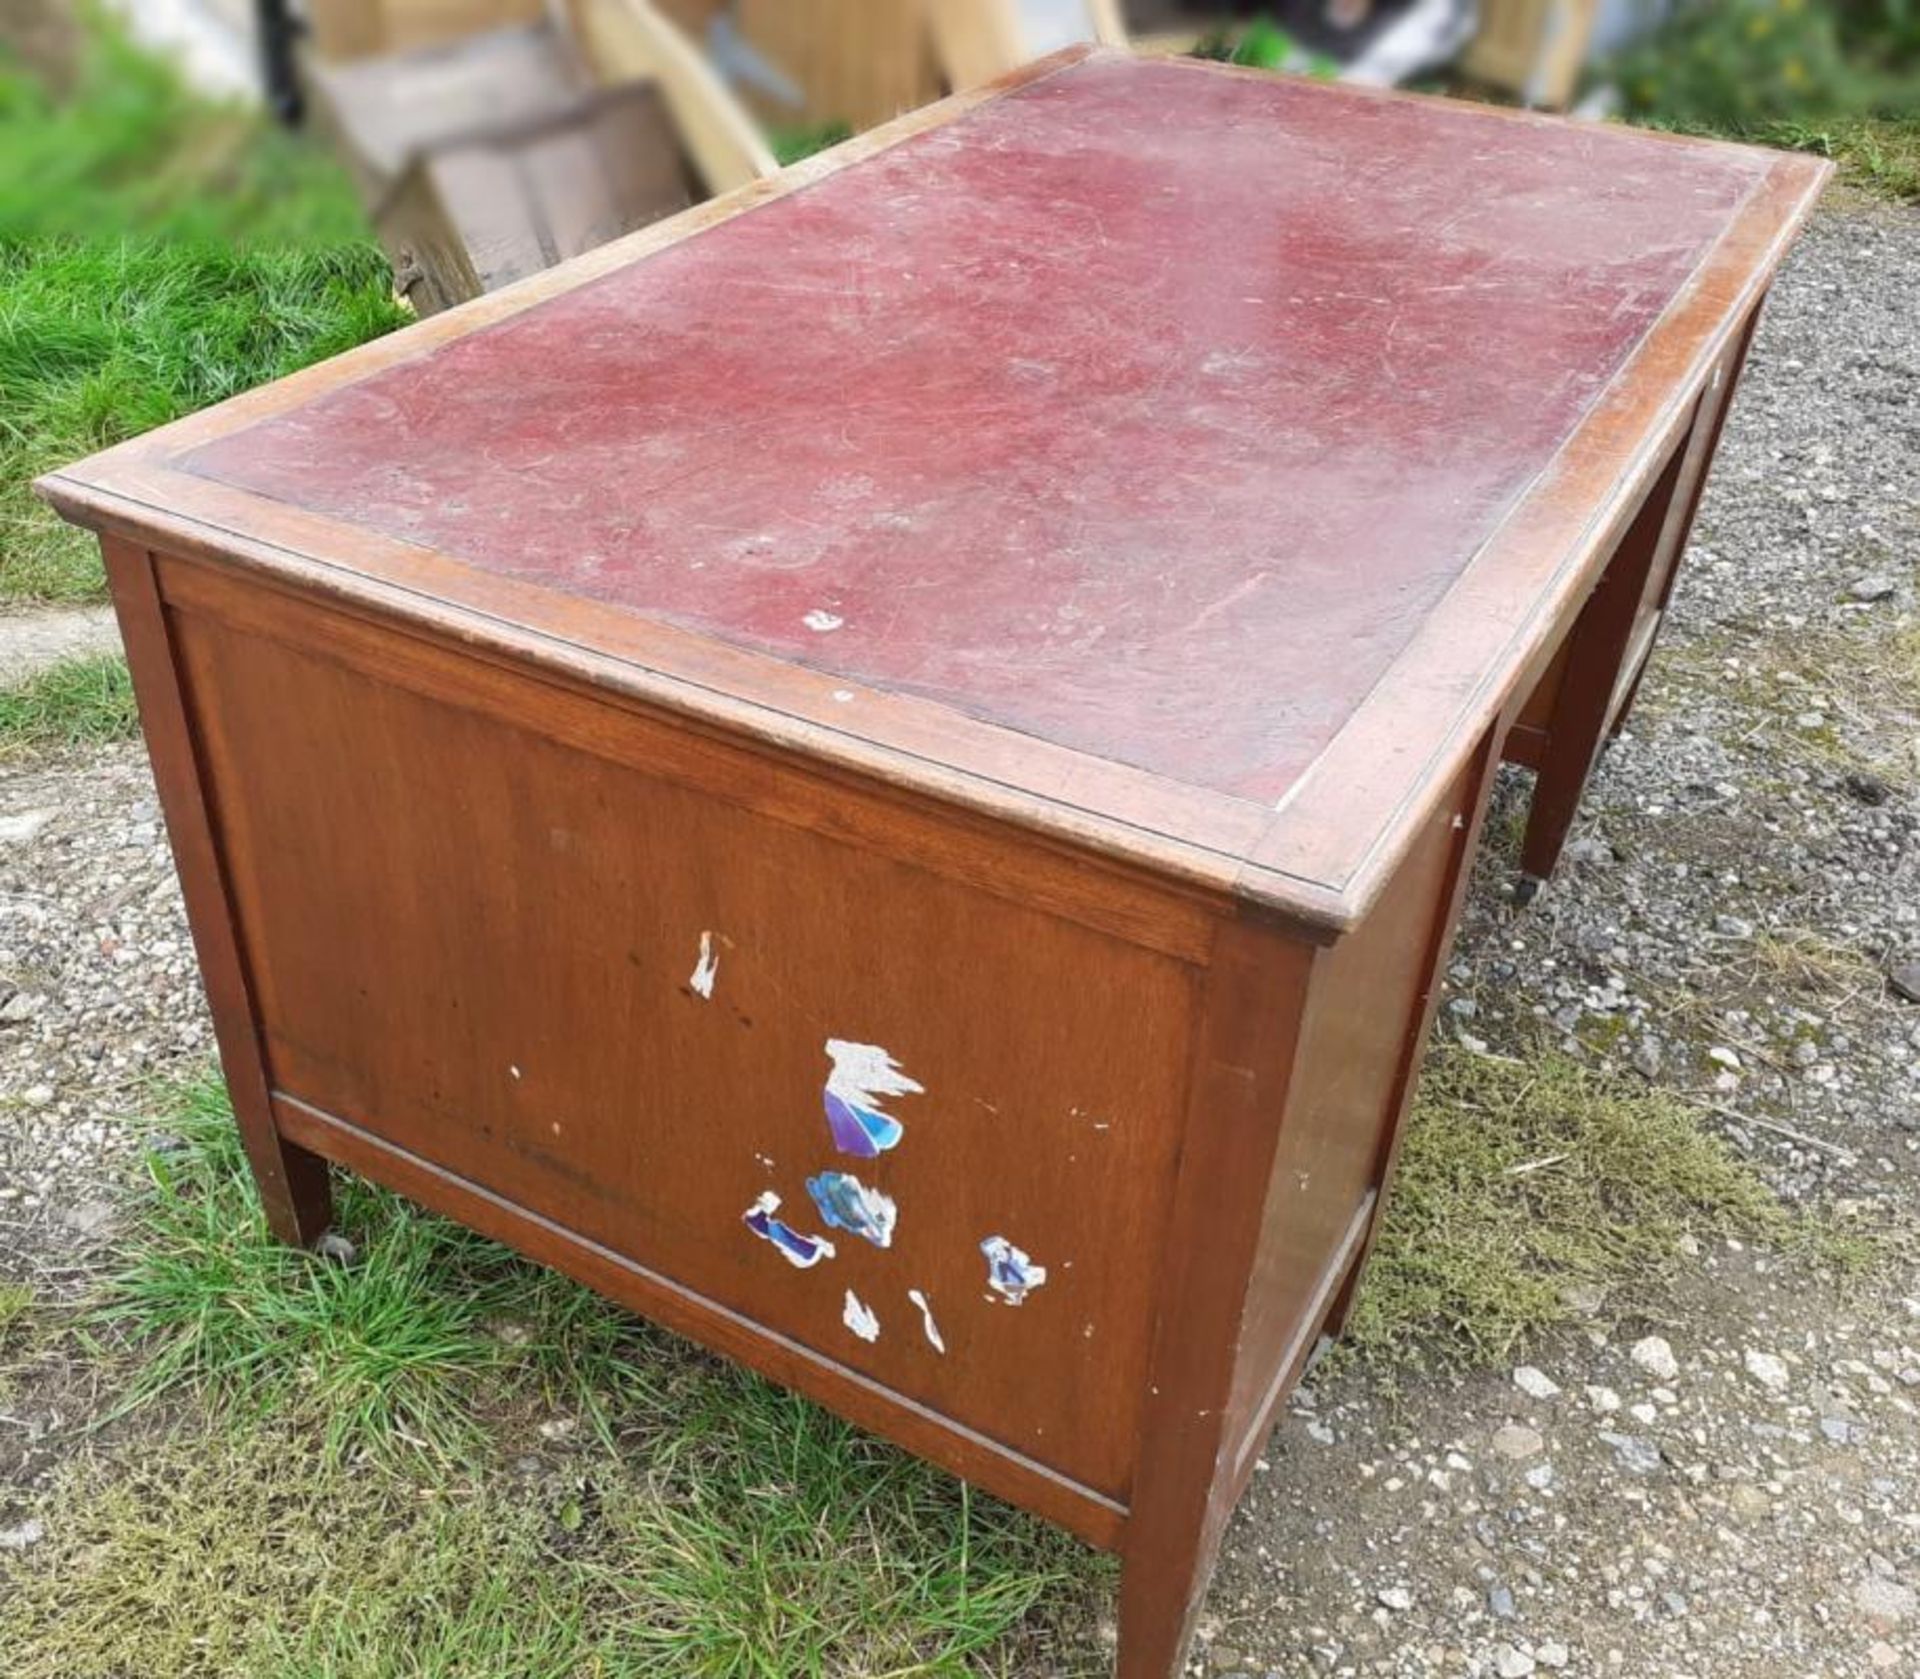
1759	26
1795	72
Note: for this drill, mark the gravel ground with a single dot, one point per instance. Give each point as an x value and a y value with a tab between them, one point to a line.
1732	1492
1740	1500
30	641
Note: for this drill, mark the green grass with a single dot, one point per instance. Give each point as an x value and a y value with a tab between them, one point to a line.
16	1300
247	1555
77	702
1876	154
132	150
1521	1181
692	1519
441	1460
791	145
157	253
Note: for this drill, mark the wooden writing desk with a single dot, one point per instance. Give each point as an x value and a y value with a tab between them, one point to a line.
882	771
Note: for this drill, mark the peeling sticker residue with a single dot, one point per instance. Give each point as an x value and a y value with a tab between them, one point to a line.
863	1075
820	621
848	1204
707	968
926	1319
858	1317
797	1249
1010	1273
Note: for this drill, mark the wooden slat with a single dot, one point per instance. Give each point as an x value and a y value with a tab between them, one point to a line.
627	40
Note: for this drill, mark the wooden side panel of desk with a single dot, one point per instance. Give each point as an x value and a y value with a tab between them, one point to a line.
469	925
1306	1060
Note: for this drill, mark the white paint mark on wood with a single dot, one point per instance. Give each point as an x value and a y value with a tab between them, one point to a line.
926	1319
707	968
858	1317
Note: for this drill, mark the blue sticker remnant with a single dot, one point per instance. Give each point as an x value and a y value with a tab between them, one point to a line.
845	1203
1010	1273
863	1076
796	1249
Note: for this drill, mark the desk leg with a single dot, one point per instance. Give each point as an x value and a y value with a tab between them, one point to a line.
1707	434
1434	941
1183	1492
293	1182
1598	648
1612	639
1305	1063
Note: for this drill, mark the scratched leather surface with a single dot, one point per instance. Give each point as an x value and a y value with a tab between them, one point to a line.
1146	411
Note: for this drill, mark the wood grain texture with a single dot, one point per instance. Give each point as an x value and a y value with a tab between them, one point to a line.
1243	1058
527	1020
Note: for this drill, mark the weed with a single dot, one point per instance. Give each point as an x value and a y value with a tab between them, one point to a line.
157	253
16	1300
354	1422
1522	1181
76	702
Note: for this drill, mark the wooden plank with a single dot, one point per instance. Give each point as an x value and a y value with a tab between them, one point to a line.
382	111
1244	1049
975	41
475	212
1534	49
858	62
986	1463
475	944
627	40
349	29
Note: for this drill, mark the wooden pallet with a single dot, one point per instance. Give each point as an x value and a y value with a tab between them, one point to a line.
1535	49
349	29
485	157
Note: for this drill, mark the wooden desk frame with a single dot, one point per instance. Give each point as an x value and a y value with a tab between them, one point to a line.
1311	938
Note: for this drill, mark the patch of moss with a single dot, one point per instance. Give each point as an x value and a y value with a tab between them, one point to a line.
341	1510
1523	1182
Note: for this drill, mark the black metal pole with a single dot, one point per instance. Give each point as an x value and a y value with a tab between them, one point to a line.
279	28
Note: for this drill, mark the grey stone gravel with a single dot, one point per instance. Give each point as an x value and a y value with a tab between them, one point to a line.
99	995
32	640
1745	877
